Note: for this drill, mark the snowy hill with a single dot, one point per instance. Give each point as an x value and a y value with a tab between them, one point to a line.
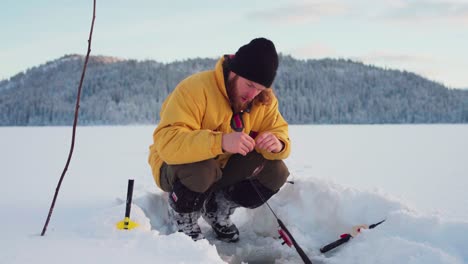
412	176
323	91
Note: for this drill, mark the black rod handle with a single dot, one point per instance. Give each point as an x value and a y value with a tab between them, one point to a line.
336	243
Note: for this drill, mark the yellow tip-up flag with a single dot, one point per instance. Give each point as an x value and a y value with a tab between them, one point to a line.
127	224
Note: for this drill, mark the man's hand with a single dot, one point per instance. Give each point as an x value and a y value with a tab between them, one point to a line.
238	142
269	142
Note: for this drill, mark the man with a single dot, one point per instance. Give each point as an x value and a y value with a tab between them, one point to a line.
220	142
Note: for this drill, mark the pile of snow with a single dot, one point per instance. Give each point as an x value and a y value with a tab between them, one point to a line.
315	209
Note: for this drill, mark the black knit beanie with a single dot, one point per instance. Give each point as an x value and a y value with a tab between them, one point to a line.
256	61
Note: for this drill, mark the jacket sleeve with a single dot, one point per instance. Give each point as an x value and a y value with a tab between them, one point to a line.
274	122
179	138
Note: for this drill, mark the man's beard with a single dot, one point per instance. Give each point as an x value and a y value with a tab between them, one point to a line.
234	96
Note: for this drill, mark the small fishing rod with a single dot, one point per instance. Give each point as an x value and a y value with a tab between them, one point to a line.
126	223
346	237
283	231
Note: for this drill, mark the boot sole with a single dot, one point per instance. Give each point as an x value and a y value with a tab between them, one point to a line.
229	240
222	237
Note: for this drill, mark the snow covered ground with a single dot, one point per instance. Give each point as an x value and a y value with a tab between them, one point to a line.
413	176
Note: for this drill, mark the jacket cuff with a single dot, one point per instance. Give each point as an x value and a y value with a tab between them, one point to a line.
216	146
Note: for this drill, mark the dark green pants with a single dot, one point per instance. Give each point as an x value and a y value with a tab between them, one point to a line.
203	175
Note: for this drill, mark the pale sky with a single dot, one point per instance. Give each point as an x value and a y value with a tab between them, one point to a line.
428	37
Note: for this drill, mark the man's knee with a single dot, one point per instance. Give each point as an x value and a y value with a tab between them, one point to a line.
274	174
248	193
197	176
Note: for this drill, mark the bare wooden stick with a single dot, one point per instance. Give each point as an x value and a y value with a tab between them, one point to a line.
74	122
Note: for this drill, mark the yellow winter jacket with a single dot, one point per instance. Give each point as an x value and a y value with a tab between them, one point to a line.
197	113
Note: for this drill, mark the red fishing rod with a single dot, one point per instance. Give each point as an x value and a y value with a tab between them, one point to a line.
283	231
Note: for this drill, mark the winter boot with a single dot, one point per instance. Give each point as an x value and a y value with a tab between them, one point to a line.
186	223
217	211
184	210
